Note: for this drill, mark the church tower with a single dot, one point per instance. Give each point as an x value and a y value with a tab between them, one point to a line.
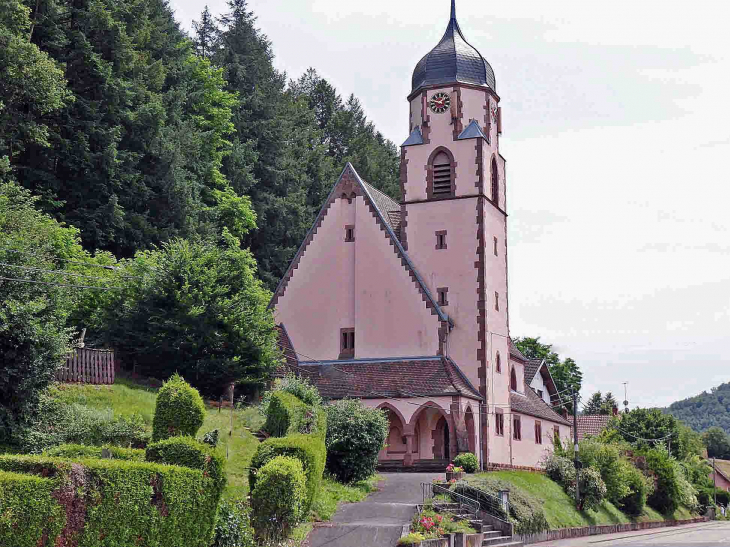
453	219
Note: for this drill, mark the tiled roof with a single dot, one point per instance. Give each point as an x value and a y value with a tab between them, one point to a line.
416	137
291	361
591	425
453	60
389	208
723	468
532	405
472	131
515	353
531	368
400	377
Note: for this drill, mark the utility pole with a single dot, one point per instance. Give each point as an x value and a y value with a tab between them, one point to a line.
626	399
575	448
714	480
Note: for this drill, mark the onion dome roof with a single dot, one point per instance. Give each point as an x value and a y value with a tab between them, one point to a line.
453	60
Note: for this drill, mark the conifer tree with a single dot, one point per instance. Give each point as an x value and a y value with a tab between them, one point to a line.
206	35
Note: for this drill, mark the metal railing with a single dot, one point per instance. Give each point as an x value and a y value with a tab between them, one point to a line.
463	504
497	506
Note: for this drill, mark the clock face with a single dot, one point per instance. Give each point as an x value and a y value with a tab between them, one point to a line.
440	102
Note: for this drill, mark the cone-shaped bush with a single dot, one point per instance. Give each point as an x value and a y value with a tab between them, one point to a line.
179	410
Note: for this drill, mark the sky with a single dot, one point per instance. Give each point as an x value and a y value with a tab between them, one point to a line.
616	119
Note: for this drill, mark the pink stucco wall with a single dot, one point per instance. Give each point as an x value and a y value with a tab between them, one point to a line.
360	284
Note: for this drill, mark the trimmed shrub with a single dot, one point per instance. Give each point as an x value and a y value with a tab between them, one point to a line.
187	452
592	489
179	410
125	502
525	511
467	461
233	526
355	435
295	385
286	414
279	498
79	451
308	449
28	511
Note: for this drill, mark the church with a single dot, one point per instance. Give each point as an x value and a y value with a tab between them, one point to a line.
405	304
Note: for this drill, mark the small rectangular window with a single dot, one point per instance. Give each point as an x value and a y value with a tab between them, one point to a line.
538	433
496	300
496	252
349	233
347	343
539	393
517	428
499	423
442	296
556	432
441	239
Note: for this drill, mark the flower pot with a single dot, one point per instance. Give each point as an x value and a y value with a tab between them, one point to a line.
456	476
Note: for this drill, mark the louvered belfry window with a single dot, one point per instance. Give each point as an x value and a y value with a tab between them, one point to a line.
442	176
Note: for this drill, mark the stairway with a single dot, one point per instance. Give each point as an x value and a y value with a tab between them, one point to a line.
492	537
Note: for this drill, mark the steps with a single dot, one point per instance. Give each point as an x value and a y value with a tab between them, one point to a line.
419	466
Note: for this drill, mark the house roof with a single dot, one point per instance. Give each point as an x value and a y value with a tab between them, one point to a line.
388	206
723	468
591	425
291	361
532	405
416	137
384	210
515	353
531	368
398	377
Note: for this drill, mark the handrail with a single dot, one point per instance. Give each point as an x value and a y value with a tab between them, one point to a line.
429	490
487	502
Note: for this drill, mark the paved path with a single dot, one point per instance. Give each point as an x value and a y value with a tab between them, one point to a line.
705	534
377	521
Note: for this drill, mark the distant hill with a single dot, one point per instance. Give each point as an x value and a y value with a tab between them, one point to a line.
705	410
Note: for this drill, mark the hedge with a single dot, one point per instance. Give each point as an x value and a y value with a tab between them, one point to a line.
279	498
28	511
78	451
308	449
112	503
187	452
179	410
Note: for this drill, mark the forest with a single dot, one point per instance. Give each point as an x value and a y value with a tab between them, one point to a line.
137	133
705	410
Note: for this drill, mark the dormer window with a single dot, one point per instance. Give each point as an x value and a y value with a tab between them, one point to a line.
441	174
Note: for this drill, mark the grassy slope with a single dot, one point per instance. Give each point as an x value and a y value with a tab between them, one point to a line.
127	398
560	508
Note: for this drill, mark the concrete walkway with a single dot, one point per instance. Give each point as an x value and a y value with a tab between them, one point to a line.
378	521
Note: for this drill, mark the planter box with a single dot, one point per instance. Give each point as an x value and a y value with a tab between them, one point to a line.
447	541
457	476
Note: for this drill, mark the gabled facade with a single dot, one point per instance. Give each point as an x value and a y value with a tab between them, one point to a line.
405	304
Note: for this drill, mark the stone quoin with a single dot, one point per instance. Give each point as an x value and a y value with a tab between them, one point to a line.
405	304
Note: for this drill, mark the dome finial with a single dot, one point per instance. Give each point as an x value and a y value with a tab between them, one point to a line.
453	9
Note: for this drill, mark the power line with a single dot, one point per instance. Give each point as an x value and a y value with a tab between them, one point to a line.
57	284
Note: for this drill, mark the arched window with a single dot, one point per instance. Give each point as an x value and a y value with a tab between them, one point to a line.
513	380
495	182
441	171
499	363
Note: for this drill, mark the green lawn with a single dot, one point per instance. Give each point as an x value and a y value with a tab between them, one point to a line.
560	508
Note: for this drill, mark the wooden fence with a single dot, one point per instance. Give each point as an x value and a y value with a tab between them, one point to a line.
88	366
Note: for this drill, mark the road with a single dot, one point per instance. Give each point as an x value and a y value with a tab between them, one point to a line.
705	534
